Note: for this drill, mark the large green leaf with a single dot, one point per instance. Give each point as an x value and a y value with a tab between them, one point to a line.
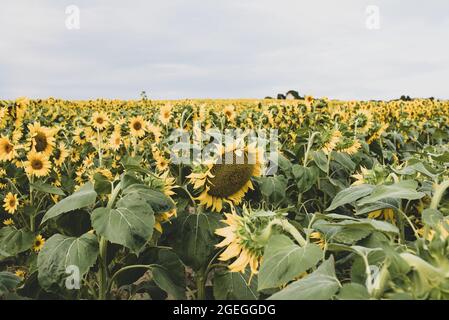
169	275
353	291
273	188
350	195
305	177
130	223
194	238
366	224
283	261
322	284
14	241
84	197
60	252
402	190
158	201
47	188
235	286
8	282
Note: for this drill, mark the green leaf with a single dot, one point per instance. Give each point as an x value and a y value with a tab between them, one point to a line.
169	275
101	184
8	282
344	160
273	188
432	217
402	190
60	252
129	224
14	241
305	177
47	188
158	201
283	261
322	284
367	224
193	237
353	291
235	286
320	159
350	195
84	197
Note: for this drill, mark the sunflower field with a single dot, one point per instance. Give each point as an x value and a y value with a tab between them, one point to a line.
355	205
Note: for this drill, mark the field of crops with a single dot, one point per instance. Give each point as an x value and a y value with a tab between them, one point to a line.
347	200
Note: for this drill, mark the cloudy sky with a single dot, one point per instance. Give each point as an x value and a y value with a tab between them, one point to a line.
224	49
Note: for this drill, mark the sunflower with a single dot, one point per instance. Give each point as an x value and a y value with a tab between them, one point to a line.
349	146
137	127
8	222
331	141
100	120
38	243
162	163
224	181
229	112
10	203
239	240
37	164
387	214
318	239
115	141
79	136
7	150
377	133
20	274
363	120
165	114
156	131
42	139
61	153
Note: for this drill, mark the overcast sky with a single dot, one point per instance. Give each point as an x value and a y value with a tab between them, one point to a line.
224	49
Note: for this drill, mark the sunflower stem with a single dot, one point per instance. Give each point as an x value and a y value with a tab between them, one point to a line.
438	195
103	271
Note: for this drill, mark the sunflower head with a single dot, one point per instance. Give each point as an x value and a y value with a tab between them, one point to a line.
37	164
100	120
11	203
38	243
42	139
137	127
7	150
330	140
228	178
244	238
362	120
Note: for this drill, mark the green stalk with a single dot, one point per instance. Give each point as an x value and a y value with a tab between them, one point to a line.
438	195
103	281
103	271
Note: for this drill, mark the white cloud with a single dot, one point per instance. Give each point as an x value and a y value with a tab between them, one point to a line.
224	48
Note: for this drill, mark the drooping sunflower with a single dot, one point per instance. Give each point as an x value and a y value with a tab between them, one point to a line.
100	120
61	153
330	141
227	179
42	139
37	164
137	127
240	239
349	146
362	120
38	243
11	203
7	149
